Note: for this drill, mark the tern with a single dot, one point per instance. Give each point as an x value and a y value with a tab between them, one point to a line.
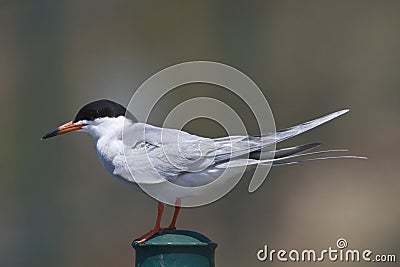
107	121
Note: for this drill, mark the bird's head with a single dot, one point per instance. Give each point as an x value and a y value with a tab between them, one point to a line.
95	118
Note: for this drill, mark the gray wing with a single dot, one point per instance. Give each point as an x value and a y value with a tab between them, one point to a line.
157	154
171	152
243	145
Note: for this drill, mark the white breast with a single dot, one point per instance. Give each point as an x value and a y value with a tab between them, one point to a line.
107	150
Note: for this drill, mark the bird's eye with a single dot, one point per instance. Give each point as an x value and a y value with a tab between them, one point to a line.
94	114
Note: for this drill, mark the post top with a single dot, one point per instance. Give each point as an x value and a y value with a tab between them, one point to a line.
176	238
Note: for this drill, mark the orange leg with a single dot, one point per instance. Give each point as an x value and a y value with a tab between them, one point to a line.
172	225
157	226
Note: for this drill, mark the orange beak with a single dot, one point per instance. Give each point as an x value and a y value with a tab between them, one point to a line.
65	128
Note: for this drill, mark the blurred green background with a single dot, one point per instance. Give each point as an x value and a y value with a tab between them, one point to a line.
60	208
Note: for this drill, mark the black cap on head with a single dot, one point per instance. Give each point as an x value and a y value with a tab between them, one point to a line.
102	109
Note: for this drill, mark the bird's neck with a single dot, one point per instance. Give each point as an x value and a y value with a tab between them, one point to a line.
106	128
107	133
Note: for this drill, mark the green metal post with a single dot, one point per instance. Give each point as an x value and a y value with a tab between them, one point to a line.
176	248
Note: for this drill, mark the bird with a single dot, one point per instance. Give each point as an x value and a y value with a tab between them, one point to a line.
178	160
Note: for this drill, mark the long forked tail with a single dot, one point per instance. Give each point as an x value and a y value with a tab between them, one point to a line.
234	147
284	156
232	150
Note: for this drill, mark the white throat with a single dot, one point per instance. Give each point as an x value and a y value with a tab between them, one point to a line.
109	128
107	133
